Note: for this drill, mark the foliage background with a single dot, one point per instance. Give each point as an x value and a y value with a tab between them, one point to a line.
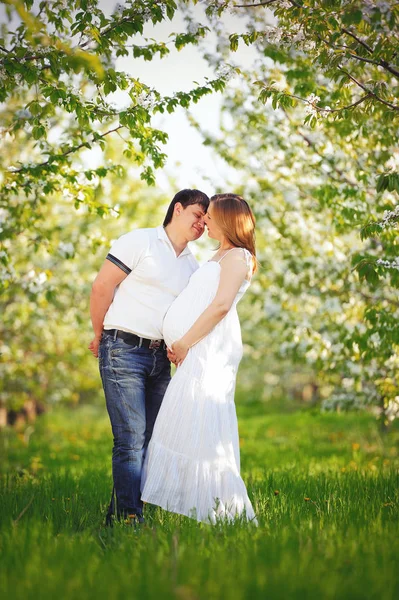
309	129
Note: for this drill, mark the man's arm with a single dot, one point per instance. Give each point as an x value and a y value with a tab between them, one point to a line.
102	294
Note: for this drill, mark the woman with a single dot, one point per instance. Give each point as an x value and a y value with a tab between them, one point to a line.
192	465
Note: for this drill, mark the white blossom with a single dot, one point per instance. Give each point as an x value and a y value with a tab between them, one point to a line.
146	100
375	338
311	104
146	13
66	249
392	410
119	8
390	217
299	36
309	45
35	281
193	27
225	72
389	264
274	35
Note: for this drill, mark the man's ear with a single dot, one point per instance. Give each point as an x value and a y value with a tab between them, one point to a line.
178	209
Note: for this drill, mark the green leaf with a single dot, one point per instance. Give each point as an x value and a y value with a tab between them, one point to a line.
234	42
38	132
35	108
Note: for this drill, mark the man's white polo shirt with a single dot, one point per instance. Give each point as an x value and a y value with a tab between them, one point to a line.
155	277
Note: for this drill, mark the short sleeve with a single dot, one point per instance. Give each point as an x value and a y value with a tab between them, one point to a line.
127	251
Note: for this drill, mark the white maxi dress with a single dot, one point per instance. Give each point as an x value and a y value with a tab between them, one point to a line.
192	464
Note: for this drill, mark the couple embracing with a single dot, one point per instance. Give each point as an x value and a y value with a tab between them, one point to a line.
175	440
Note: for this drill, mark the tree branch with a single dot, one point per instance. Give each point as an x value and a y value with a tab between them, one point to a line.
63	154
375	299
379	63
107	30
393	106
265	4
257	4
338	171
329	110
362	99
312	145
389	68
26	58
348	32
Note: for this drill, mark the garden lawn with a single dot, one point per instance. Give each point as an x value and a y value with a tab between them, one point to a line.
324	487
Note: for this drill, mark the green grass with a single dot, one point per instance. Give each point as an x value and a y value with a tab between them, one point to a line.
325	489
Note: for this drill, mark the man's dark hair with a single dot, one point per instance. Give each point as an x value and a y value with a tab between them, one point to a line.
186	198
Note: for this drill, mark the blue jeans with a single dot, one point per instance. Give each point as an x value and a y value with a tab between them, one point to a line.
134	381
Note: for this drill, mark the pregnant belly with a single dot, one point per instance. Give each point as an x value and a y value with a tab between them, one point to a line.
178	321
188	306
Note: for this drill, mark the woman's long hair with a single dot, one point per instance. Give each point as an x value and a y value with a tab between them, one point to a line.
237	222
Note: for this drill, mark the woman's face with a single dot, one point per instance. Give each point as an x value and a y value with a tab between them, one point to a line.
214	230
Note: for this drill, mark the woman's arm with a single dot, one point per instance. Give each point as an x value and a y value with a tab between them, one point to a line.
234	269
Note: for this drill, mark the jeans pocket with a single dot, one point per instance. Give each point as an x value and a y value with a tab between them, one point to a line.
119	348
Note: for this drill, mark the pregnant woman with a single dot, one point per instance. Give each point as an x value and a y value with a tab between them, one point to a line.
192	465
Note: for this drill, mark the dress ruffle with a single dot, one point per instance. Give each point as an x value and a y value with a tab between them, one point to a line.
205	491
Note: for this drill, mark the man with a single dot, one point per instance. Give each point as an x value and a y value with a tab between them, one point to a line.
143	273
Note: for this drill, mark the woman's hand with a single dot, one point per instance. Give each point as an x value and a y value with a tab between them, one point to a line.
171	356
180	350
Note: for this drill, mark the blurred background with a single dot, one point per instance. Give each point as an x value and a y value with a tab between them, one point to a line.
96	142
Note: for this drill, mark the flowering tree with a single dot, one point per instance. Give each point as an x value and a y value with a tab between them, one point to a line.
57	72
45	321
313	127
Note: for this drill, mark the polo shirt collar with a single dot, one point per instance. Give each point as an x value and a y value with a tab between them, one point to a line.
162	235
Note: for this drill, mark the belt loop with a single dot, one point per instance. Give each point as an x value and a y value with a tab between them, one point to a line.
140	342
115	334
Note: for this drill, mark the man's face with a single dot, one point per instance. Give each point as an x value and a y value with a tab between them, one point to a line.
190	220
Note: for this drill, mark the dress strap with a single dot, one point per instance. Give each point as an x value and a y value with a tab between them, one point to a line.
248	260
247	255
226	253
